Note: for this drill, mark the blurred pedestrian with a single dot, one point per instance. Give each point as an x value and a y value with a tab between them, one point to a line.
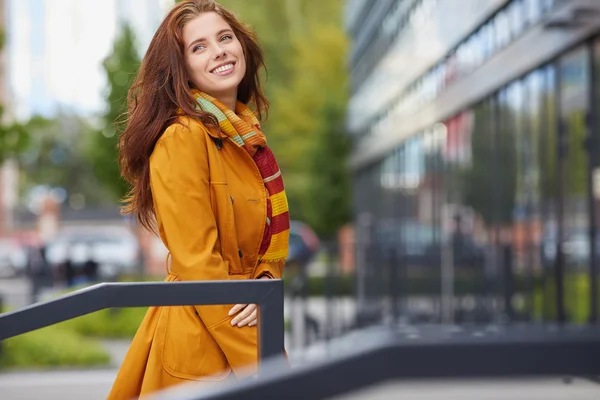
69	272
213	186
90	270
37	271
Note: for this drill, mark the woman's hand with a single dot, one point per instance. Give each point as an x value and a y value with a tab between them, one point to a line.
248	313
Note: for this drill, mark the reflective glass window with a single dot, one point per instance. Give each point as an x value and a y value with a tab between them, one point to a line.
517	13
574	78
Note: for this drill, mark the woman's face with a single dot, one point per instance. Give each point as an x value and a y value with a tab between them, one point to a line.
214	56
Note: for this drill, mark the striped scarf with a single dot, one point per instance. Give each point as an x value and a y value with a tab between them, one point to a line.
243	129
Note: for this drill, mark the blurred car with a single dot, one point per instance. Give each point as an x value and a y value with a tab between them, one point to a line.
421	244
575	246
13	259
115	250
303	244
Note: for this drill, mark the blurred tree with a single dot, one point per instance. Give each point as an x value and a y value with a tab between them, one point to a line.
329	188
269	18
576	157
479	176
548	149
310	106
55	157
120	66
494	205
2	38
309	113
13	138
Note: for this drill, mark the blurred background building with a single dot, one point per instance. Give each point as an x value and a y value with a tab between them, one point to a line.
7	168
55	50
475	158
53	87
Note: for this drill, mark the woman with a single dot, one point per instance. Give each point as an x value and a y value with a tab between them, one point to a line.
202	178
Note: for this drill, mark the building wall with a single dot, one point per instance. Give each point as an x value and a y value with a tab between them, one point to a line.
8	184
400	42
2	97
486	164
2	53
56	50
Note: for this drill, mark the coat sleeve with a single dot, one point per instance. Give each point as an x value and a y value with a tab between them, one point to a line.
179	178
273	270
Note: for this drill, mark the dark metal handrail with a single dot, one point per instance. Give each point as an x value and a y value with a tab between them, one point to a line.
532	351
267	294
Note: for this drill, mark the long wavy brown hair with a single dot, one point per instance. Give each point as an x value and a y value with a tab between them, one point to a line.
162	87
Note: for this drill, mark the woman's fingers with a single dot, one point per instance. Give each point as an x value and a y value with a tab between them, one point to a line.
251	318
236	309
245	313
249	314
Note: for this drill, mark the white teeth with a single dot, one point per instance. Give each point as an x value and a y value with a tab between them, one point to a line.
223	68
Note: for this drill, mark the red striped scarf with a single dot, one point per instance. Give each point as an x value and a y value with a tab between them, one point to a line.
243	129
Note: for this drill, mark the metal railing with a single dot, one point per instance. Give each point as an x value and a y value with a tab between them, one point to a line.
528	351
267	294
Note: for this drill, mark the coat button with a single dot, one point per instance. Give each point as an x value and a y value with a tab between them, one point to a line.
240	253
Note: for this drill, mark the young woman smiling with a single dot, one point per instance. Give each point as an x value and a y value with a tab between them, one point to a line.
204	179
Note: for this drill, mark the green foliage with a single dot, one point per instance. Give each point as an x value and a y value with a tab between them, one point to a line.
330	185
55	157
109	323
2	39
273	31
479	176
490	147
577	297
120	67
548	149
14	139
576	156
51	347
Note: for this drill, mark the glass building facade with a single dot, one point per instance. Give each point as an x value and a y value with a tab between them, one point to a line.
476	164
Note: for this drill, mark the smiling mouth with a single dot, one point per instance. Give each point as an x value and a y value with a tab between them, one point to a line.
223	69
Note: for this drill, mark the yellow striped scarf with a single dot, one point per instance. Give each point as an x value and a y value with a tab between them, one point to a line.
243	129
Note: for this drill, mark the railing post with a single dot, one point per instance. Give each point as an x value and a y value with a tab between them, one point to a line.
271	324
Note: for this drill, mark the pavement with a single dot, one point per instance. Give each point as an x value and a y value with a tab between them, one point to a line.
95	384
499	389
65	384
15	292
57	385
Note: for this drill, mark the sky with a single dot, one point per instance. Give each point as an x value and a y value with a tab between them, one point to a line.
55	50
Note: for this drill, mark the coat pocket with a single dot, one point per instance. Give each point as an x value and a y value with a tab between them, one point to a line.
188	350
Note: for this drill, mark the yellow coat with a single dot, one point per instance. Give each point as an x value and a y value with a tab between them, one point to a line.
210	204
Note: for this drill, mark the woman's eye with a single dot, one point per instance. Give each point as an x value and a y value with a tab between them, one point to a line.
227	37
198	47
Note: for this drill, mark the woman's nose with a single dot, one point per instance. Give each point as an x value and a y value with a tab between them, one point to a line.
220	53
